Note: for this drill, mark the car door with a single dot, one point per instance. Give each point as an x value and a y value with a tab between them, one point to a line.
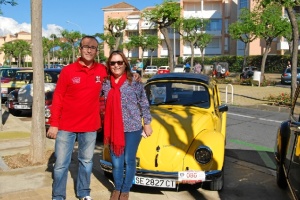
293	154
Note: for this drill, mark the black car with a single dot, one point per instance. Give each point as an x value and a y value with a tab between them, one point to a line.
248	72
287	149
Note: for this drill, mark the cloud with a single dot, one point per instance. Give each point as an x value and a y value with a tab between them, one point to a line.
10	26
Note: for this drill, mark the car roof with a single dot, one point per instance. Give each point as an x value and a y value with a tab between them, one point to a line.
52	70
181	76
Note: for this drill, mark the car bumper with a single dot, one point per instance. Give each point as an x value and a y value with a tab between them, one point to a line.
209	175
17	106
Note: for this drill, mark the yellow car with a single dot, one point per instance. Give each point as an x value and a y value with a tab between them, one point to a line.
20	78
189	133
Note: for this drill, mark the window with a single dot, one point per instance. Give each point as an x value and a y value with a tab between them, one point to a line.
243	4
215	43
214	25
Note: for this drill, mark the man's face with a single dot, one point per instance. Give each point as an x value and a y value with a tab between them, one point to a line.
88	49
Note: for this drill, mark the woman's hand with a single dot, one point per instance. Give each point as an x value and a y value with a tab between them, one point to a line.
147	130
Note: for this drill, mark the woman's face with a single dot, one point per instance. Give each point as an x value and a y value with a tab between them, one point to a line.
117	65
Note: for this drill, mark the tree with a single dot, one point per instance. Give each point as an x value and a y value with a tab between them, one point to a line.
4	2
192	31
244	30
72	37
115	28
21	49
8	49
38	136
129	46
164	16
153	41
145	42
289	5
271	25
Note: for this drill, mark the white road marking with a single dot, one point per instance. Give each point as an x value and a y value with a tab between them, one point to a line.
247	116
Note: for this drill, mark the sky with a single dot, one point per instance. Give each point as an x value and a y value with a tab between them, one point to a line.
85	16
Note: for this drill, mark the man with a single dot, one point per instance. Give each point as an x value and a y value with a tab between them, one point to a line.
75	114
187	68
139	67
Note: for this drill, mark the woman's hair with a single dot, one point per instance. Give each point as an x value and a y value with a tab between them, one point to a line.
126	63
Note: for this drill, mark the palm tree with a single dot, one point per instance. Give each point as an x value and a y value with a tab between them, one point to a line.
72	38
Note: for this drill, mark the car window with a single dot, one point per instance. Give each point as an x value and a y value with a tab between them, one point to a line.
177	93
8	73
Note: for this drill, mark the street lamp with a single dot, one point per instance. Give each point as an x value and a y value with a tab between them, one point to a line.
76	25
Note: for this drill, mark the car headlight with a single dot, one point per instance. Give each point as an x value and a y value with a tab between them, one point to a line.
47	112
203	155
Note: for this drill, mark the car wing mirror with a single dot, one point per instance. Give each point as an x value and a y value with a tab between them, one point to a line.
223	108
295	126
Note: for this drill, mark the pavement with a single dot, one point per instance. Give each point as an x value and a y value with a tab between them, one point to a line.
35	182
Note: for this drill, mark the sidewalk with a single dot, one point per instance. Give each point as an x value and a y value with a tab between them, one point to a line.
35	182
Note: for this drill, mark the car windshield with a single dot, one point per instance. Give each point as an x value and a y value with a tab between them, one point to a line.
8	73
177	93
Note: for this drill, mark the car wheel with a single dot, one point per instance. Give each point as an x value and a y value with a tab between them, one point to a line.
280	177
215	185
15	112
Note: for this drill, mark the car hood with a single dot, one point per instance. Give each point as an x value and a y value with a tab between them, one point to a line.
174	129
25	93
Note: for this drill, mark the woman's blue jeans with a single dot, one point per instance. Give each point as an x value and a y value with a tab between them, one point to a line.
64	145
126	161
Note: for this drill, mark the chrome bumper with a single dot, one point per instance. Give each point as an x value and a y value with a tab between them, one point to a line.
210	175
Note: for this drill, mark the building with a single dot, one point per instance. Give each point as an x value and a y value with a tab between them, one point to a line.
221	13
8	38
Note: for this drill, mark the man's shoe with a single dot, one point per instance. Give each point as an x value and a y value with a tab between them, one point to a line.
86	198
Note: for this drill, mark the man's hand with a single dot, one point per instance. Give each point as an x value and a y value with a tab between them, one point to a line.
52	132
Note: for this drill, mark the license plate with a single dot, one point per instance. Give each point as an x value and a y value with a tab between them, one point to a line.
154	182
22	107
186	176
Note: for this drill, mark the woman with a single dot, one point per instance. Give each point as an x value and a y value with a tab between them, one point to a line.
127	117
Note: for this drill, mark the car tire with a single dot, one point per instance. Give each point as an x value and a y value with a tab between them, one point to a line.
215	185
280	177
15	112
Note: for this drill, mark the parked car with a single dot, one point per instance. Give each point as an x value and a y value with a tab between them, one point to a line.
21	99
8	73
22	77
286	76
248	72
163	70
187	145
150	70
179	68
287	149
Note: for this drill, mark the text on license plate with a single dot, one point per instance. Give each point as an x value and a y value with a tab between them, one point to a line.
22	107
154	182
191	176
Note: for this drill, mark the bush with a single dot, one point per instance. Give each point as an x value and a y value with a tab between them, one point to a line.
283	99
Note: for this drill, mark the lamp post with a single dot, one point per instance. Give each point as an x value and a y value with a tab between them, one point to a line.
76	25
